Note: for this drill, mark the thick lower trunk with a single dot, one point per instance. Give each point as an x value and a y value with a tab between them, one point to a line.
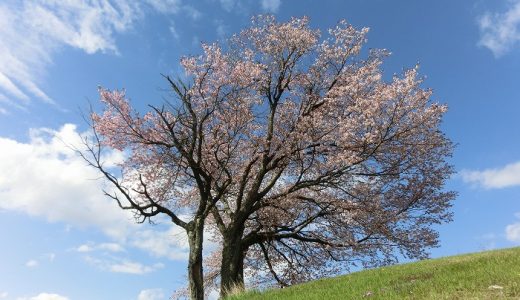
196	283
232	269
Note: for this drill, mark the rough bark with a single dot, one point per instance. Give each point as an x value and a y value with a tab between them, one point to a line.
195	277
232	270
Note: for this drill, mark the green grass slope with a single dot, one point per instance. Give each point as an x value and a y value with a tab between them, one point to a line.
486	275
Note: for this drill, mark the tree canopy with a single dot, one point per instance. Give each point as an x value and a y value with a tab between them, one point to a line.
292	149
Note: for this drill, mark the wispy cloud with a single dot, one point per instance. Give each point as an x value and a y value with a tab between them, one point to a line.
506	176
192	12
45	28
221	28
228	5
34	31
165	6
500	32
271	5
173	30
3	295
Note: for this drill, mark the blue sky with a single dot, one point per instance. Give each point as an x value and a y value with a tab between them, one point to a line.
61	239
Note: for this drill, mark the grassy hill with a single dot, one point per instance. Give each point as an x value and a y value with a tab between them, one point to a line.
486	275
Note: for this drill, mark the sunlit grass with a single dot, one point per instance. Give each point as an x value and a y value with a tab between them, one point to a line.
485	275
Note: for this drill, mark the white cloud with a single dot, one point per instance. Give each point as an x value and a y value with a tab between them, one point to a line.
33	32
171	243
111	247
151	294
31	263
506	176
513	232
34	263
85	248
118	265
500	31
134	267
46	296
44	177
271	5
3	295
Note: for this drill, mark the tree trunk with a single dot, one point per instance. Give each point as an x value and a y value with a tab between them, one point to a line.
232	269
196	283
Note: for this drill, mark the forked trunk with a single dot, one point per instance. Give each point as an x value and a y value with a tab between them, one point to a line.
196	283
